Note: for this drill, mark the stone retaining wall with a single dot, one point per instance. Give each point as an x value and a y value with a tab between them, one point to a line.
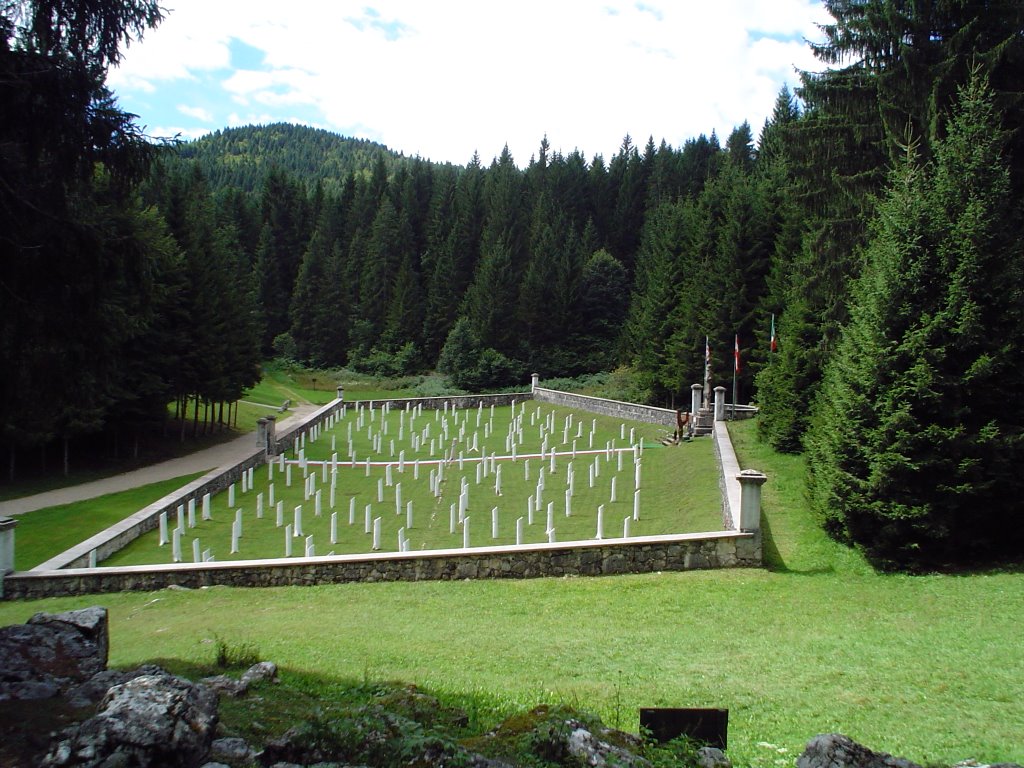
107	542
452	401
286	440
726	549
615	408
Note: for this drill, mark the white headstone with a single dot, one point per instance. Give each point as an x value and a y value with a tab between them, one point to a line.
206	506
288	541
280	514
600	522
297	517
231	495
163	528
376	534
334	527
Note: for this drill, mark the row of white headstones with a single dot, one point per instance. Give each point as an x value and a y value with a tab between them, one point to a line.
486	466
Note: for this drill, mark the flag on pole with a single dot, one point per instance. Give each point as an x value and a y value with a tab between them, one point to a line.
736	353
707	352
774	342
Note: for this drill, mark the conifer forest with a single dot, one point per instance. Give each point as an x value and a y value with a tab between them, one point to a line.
863	247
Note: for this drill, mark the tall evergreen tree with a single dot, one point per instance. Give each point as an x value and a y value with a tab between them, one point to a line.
917	434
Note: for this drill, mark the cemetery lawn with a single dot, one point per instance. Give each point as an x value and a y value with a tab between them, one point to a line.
679	487
44	533
926	667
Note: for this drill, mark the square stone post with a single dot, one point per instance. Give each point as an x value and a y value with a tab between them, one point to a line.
341	392
696	395
750	499
719	403
534	378
7	526
271	435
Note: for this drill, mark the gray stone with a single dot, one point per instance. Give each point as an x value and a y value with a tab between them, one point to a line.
260	672
833	750
151	720
91	692
224	685
233	751
712	757
590	750
52	652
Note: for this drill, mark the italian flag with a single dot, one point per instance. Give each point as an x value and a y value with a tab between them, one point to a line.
774	341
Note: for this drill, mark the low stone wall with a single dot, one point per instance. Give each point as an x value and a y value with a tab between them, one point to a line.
286	440
107	542
452	401
648	414
726	549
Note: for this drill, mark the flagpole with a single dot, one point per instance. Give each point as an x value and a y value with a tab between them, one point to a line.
735	370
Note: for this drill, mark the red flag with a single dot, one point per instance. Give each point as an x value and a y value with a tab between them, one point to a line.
736	353
774	342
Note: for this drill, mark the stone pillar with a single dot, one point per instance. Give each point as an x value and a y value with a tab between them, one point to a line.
261	432
271	445
696	395
750	499
7	526
534	378
341	392
719	403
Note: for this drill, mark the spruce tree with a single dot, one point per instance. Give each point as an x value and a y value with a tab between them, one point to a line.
918	431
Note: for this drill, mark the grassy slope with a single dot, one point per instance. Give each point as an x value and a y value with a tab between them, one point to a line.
926	667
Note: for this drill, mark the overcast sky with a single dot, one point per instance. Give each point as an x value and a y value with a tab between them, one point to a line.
442	79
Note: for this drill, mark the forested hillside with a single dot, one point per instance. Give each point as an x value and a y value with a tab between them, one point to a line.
861	250
241	157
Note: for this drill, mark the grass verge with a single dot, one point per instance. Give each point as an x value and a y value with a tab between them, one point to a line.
44	533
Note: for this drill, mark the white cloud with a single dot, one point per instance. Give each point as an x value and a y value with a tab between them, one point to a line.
203	115
442	79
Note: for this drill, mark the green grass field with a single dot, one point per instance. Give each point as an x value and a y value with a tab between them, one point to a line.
926	667
679	490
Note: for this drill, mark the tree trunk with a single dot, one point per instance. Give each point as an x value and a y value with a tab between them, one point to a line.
67	456
195	419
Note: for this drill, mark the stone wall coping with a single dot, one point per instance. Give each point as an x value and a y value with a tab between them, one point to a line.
314	418
175	497
441	399
729	469
654	408
285	562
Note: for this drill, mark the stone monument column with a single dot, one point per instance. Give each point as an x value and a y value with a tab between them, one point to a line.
750	499
534	378
341	392
719	403
696	396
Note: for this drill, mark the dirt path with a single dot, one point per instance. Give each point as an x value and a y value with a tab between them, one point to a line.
201	461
